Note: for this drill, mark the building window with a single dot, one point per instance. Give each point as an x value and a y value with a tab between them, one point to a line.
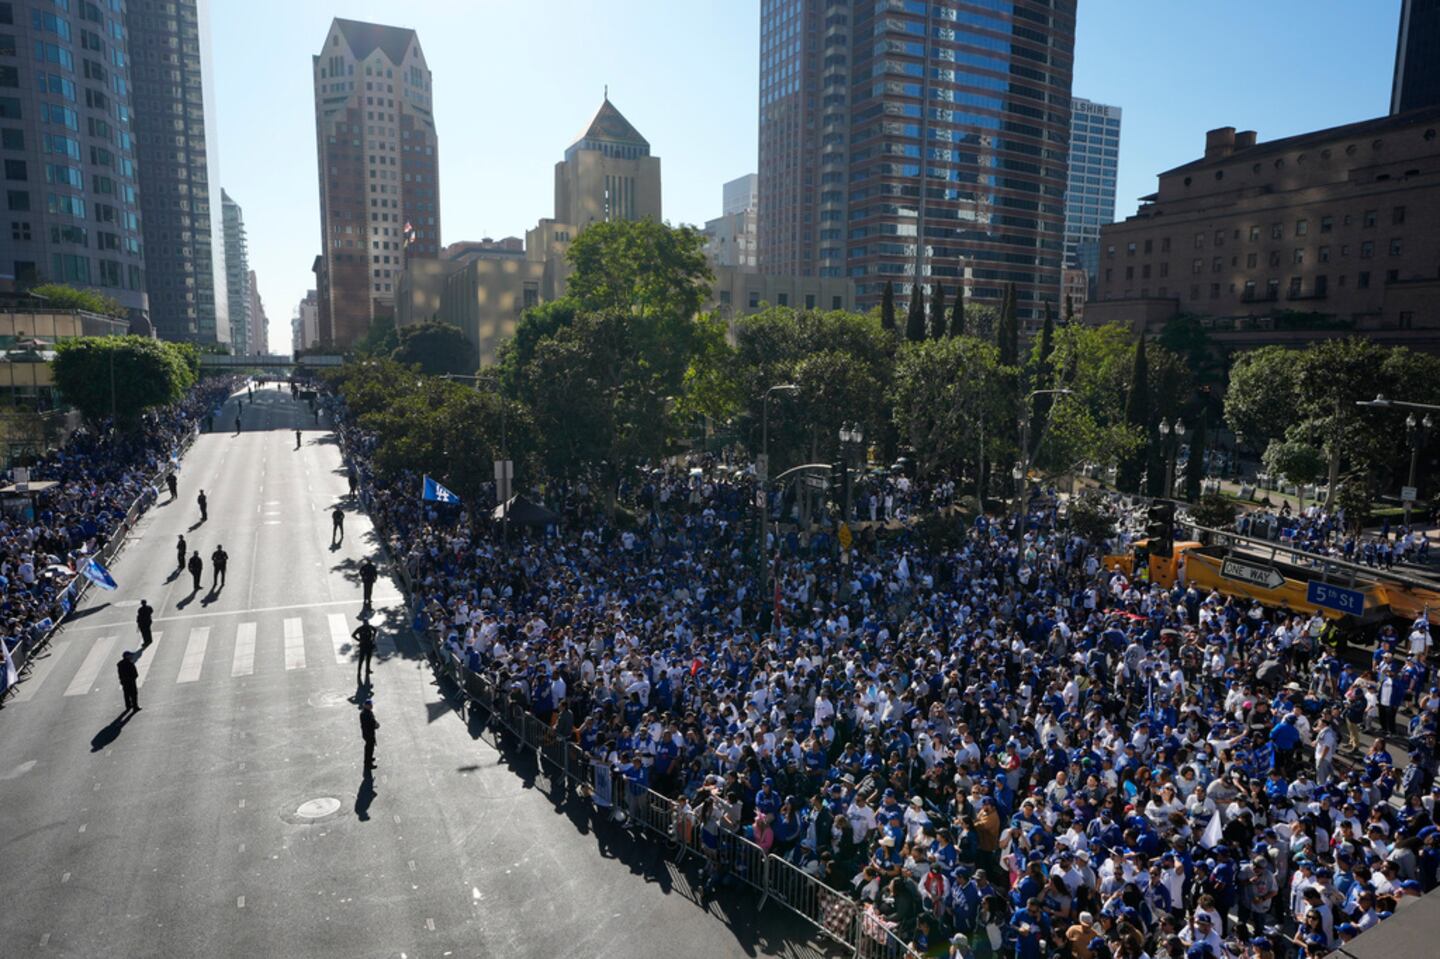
1327	223
1322	285
1395	246
1254	234
1407	319
837	303
1195	291
1198	265
1219	237
1129	272
18	200
1277	231
1392	276
1129	249
15	170
1249	293
1149	244
1145	272
1199	241
1367	249
1302	227
1108	271
1397	215
754	299
1274	257
1362	281
1214	291
1251	260
1298	257
809	301
783	299
1294	286
1164	270
1164	244
1217	264
1272	289
1110	251
19	230
1370	218
1324	254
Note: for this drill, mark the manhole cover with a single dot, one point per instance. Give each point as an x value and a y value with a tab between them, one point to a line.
318	808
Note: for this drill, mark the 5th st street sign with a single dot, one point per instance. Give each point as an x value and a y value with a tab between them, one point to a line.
1256	574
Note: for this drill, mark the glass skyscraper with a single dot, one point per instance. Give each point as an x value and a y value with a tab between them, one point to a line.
1094	161
905	138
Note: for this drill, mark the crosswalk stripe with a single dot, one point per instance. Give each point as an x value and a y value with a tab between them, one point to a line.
294	644
146	657
39	673
244	662
194	655
340	637
90	667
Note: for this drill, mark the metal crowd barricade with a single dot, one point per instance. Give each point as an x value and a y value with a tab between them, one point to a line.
829	911
744	860
875	938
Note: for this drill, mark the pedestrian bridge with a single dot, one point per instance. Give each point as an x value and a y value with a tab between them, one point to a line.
218	361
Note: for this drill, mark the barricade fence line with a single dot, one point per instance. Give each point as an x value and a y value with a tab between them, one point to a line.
829	911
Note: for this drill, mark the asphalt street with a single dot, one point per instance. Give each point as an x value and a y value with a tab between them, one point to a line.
231	816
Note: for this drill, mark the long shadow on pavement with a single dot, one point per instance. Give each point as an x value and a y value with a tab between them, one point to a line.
111	732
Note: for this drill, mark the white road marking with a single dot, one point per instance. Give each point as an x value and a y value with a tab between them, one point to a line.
83	825
244	662
430	924
65	878
239	902
44	940
340	637
379	602
294	644
31	685
147	658
90	667
194	655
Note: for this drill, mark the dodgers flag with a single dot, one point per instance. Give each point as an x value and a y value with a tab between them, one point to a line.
97	574
433	492
12	675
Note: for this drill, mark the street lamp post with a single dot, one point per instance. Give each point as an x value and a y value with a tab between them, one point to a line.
1169	450
851	439
1416	434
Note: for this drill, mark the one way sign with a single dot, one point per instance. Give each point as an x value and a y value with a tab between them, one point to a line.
1256	574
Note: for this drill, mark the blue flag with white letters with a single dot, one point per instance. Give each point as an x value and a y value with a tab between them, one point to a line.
98	574
433	492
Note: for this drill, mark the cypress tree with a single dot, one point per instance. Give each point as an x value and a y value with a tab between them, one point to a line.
1069	310
887	307
915	320
1006	337
957	313
937	312
1195	468
1137	414
1043	377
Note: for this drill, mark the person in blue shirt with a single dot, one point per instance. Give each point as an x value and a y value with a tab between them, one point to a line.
1285	737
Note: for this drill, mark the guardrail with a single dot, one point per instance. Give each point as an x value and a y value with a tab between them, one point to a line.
828	911
75	591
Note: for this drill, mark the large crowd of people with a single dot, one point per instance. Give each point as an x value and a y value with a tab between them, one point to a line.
1005	746
98	474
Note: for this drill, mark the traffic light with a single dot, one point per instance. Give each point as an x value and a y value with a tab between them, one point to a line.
1160	527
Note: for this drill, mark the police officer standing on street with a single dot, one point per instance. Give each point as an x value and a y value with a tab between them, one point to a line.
364	637
144	616
368	575
173	485
204	504
196	566
218	559
180	553
368	725
337	525
129	680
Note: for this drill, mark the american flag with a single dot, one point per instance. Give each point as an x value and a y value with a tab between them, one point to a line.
409	233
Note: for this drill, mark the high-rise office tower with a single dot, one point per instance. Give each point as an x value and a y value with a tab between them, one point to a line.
906	138
1094	162
1417	57
258	333
379	185
237	273
177	150
71	194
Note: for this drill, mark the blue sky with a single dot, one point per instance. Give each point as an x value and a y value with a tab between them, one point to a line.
516	80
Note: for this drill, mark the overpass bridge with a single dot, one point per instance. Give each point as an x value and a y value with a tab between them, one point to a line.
278	362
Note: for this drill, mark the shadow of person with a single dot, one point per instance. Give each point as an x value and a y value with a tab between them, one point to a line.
111	732
174	575
188	599
335	545
364	796
195	525
210	597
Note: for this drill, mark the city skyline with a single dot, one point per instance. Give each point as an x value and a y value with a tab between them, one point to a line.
496	168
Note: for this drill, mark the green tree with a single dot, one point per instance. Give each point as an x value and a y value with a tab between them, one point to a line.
640	267
71	298
1186	337
1043	376
381	339
129	374
1007	337
1195	467
437	348
1137	417
887	307
1262	400
915	319
945	394
937	312
957	313
1295	460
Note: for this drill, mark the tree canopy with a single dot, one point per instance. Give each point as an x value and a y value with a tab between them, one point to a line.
437	348
129	373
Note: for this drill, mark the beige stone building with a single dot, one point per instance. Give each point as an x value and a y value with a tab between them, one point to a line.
741	292
1323	234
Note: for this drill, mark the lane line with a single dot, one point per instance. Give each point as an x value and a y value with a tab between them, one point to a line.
147	657
244	662
90	667
194	655
294	644
379	603
39	673
340	637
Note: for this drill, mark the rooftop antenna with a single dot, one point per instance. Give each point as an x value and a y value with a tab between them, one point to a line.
607	91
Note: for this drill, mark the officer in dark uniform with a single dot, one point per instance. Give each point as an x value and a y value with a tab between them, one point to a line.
218	559
368	725
364	637
129	680
180	553
337	525
354	481
368	575
203	503
173	484
196	567
143	618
